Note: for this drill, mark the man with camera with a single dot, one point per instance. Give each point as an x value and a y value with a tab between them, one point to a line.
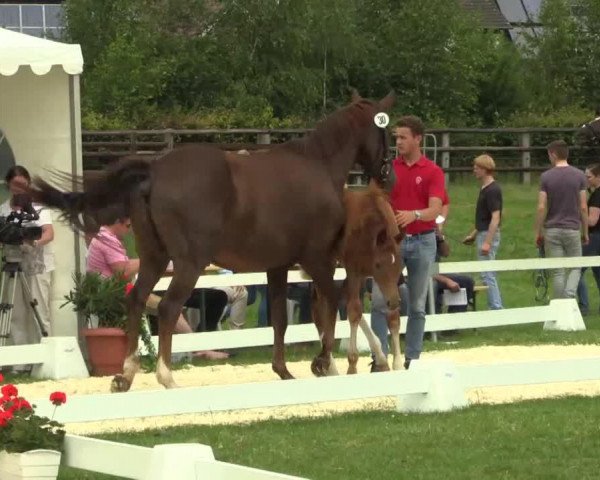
27	233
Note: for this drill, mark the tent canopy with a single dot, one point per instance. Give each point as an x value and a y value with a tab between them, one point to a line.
41	55
40	121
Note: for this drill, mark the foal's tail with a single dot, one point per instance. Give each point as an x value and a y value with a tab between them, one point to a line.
104	194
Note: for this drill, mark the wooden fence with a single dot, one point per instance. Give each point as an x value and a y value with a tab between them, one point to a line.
517	150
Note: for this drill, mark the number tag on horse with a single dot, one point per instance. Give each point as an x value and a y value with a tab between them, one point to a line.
381	119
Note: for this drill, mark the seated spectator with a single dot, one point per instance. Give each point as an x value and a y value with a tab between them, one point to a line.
107	256
452	282
235	310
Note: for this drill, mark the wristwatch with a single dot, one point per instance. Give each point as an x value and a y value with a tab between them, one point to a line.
417	215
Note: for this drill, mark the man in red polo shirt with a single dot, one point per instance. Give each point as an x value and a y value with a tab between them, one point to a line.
416	198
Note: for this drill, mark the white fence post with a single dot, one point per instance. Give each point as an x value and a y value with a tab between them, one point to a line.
565	315
446	391
63	359
177	460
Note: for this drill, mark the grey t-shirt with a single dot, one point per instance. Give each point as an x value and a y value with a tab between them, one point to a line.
563	186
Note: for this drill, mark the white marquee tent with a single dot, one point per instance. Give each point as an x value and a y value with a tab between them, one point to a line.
40	118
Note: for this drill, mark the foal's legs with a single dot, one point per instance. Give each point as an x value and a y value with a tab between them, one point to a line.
277	283
381	364
151	268
355	317
393	321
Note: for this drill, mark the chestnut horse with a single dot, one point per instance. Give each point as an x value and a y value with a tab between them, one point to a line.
370	247
195	205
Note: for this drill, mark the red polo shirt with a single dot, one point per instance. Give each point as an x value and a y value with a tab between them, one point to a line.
414	186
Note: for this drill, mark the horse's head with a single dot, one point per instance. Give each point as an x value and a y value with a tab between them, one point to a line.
374	153
372	239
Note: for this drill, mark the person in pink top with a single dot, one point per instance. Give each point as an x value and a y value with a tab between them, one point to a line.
107	256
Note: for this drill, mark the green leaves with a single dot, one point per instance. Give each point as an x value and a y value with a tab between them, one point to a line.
95	295
27	431
275	63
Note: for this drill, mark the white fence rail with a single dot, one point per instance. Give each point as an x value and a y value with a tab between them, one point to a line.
53	357
187	461
294	276
59	357
427	386
560	314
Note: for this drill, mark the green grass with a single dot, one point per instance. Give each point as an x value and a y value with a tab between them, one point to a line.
551	439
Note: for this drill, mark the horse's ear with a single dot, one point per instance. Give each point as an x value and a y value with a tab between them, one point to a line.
355	96
387	102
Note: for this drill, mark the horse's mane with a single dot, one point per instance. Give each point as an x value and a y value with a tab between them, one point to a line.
333	132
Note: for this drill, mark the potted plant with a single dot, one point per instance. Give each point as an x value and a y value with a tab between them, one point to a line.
101	301
30	445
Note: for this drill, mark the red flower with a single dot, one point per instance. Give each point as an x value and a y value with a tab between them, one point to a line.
5	417
58	398
20	404
9	390
1	378
128	288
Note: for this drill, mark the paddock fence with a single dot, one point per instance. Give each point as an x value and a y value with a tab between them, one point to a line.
560	314
520	152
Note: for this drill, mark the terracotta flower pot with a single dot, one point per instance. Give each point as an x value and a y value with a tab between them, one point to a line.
107	348
35	464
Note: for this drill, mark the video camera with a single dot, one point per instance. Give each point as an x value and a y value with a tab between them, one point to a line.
12	230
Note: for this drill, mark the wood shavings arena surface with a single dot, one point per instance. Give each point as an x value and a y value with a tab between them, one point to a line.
230	374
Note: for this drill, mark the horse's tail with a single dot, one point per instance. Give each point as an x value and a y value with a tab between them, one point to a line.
103	194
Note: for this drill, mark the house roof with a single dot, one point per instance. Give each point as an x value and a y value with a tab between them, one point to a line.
490	14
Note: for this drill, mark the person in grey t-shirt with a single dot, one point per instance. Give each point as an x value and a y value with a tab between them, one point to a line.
562	213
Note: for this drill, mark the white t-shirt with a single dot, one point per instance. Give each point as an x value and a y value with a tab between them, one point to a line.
45	219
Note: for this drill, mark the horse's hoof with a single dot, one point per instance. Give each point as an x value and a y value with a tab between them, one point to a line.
119	384
283	372
320	366
380	368
351	370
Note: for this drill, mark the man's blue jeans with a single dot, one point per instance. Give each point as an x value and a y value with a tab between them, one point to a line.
559	243
418	253
489	278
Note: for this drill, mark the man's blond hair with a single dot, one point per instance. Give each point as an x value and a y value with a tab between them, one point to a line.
486	162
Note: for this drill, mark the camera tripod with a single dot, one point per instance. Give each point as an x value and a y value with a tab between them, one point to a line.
12	274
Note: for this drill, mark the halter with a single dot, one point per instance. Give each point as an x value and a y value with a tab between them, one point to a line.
382	120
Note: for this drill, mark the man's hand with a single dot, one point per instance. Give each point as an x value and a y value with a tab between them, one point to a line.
468	240
585	239
404	217
539	240
485	248
452	286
